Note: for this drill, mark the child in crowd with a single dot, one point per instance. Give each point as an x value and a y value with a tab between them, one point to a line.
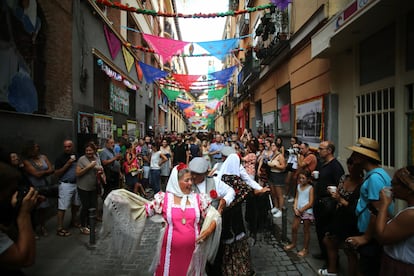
303	212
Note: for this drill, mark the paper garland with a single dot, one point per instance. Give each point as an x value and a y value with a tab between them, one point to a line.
118	5
128	58
165	47
113	42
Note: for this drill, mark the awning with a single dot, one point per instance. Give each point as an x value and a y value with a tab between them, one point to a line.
163	108
338	24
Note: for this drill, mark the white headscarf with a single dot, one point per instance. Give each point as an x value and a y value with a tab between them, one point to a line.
230	166
174	188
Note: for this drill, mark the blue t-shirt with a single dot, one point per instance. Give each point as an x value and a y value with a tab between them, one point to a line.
374	181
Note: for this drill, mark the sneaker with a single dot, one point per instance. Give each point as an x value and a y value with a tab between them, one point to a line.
85	230
278	214
274	210
290	199
324	271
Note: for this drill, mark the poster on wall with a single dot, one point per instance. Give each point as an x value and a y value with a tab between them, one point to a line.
309	121
118	99
103	128
132	130
85	123
269	122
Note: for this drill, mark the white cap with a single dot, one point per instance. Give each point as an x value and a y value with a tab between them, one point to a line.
227	150
198	165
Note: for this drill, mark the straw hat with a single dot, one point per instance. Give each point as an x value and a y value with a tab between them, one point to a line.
367	147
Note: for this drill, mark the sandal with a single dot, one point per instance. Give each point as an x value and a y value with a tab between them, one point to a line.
304	252
289	247
85	230
63	233
43	231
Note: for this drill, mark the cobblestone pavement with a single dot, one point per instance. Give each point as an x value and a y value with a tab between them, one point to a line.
73	256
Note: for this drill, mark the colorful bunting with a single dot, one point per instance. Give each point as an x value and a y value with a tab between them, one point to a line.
219	48
281	4
217	94
128	58
118	5
151	73
186	80
224	76
139	71
165	47
113	42
212	104
172	95
183	106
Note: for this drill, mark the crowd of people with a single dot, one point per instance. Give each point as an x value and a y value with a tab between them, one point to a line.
197	184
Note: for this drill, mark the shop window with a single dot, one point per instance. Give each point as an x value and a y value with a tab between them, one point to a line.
376	120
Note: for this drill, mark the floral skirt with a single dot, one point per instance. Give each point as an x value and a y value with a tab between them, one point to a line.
236	258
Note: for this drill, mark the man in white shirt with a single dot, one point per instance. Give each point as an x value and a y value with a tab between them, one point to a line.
221	194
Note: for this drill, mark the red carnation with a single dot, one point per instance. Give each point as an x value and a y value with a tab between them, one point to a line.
181	166
213	194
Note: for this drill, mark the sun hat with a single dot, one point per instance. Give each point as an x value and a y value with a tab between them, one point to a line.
198	165
367	147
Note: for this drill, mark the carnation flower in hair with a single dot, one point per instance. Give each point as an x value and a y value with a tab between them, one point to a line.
181	166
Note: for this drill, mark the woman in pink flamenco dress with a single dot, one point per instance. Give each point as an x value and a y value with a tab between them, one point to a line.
183	212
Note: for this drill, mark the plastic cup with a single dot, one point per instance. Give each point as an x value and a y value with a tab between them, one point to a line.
315	174
332	189
387	191
73	157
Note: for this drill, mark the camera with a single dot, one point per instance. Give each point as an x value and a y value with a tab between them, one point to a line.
47	191
293	150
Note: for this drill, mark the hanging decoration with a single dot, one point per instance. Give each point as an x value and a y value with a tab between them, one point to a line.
139	71
114	75
172	95
217	94
128	58
184	105
223	76
213	104
281	4
151	73
165	47
219	48
113	42
186	80
118	5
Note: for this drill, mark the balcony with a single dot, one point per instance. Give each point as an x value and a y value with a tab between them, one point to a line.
249	72
244	24
275	49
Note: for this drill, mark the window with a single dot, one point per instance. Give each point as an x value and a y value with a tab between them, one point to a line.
284	121
410	120
376	120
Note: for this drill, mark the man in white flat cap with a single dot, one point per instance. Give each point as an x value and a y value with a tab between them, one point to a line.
221	193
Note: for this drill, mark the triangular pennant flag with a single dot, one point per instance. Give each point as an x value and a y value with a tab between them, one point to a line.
224	76
113	42
165	47
139	71
151	73
172	95
212	104
183	106
186	80
219	48
128	58
217	94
